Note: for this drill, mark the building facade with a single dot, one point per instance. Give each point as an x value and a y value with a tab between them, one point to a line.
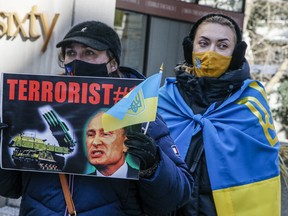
152	31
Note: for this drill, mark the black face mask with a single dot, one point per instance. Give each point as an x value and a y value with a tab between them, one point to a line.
81	68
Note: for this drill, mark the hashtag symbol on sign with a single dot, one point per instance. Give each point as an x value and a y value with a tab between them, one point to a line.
120	93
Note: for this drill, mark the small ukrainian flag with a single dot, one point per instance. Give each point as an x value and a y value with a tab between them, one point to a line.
139	105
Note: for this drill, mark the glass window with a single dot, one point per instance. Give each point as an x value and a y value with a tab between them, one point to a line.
146	45
131	28
229	5
190	1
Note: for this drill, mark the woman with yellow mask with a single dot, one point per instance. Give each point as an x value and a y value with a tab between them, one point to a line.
222	124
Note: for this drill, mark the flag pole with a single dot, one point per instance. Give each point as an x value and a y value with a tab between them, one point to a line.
147	125
146	128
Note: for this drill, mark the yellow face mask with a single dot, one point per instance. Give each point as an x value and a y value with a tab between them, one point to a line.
210	64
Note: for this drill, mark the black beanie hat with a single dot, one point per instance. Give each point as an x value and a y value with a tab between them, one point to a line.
96	35
238	53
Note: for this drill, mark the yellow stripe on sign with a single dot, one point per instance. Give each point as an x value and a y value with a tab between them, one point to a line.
257	199
111	123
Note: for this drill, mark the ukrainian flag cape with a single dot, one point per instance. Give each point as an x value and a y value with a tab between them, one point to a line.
241	147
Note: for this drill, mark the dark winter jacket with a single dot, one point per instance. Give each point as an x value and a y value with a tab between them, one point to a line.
167	189
199	94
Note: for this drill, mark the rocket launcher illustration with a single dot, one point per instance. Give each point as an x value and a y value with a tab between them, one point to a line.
59	130
34	153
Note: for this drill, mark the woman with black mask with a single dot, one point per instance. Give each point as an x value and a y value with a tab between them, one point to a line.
93	49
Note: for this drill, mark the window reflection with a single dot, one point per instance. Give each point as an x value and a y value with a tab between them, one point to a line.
131	28
229	5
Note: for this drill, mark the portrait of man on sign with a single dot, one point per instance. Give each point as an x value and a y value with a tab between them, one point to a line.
106	150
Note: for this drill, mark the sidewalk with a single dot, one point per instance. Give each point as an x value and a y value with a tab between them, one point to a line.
9	207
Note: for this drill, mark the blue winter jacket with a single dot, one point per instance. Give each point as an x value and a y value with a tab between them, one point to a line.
169	187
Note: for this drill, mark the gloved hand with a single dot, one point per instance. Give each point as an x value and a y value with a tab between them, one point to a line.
144	148
3	125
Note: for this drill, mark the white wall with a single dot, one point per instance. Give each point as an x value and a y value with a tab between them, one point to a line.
20	55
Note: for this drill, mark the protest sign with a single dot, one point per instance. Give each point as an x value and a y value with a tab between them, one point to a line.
47	119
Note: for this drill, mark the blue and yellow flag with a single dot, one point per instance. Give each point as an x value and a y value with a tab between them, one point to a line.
241	147
137	106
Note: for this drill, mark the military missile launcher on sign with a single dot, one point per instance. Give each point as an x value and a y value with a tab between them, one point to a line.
35	153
